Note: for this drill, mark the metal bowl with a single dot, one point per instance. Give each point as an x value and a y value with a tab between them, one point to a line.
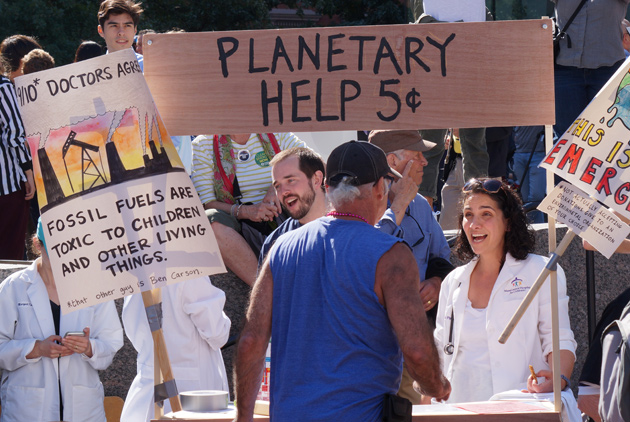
204	400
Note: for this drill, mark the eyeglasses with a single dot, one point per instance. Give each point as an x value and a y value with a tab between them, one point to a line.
488	185
388	182
419	241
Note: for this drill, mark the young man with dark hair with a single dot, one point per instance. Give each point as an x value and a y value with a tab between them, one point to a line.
118	23
298	178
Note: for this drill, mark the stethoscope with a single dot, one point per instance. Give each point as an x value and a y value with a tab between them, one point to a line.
449	348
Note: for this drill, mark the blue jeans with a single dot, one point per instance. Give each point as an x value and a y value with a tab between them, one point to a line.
575	88
533	186
474	155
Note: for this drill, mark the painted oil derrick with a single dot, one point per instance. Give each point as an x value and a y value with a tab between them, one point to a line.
88	165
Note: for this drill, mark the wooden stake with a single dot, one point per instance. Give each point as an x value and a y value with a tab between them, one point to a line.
527	300
161	362
555	324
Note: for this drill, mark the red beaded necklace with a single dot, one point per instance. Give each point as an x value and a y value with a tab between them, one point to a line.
346	214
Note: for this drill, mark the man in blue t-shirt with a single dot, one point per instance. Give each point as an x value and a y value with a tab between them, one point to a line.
297	175
342	301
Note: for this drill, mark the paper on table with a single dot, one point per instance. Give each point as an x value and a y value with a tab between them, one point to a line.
500	407
436	409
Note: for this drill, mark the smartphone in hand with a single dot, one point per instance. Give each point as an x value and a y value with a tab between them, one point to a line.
75	333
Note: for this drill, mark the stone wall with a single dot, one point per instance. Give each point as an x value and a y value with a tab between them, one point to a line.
612	277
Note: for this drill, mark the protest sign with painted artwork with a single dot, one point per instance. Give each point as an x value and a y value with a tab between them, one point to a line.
594	153
119	212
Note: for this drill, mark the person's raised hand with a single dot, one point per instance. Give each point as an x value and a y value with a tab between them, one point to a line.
79	344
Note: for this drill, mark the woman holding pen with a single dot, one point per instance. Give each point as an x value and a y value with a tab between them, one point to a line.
478	299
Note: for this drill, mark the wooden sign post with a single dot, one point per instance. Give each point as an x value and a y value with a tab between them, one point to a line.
164	382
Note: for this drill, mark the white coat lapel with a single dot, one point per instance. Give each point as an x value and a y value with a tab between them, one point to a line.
505	275
460	298
41	304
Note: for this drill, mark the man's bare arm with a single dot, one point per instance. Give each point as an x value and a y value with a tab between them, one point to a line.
252	345
396	286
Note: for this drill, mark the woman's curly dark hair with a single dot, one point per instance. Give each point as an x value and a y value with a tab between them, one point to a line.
519	240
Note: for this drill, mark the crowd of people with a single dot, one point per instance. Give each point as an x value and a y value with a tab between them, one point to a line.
349	267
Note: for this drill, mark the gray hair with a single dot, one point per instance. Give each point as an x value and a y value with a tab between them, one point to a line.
346	192
343	192
399	153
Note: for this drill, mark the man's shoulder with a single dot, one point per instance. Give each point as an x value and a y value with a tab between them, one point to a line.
287	225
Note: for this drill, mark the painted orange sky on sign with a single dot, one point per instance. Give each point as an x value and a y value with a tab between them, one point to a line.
88	168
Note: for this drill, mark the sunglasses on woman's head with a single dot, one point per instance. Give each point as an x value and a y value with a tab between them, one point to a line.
488	185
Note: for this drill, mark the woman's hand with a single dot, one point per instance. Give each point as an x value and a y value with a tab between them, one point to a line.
259	212
49	348
546	387
78	344
272	199
29	185
430	292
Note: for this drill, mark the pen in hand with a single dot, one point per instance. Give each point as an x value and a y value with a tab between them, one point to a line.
531	369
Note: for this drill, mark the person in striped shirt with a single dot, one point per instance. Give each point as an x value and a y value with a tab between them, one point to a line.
237	193
17	185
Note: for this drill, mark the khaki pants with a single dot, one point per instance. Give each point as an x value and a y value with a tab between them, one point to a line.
406	388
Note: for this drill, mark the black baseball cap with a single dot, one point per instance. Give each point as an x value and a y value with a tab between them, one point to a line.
361	161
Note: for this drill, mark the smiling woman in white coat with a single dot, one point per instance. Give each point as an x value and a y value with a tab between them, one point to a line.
47	377
195	328
478	299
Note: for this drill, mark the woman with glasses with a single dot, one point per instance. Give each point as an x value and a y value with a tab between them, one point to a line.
478	299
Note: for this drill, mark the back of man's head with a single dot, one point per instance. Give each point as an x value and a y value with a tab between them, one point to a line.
361	162
117	7
37	60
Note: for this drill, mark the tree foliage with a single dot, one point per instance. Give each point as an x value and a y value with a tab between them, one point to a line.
60	26
215	15
357	12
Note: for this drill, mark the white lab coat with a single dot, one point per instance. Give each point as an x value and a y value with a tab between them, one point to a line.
531	341
30	387
195	328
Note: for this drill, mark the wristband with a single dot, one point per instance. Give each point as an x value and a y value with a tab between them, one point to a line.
238	210
232	210
568	386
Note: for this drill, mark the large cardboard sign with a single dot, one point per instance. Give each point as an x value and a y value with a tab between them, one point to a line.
594	153
586	217
120	214
423	76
